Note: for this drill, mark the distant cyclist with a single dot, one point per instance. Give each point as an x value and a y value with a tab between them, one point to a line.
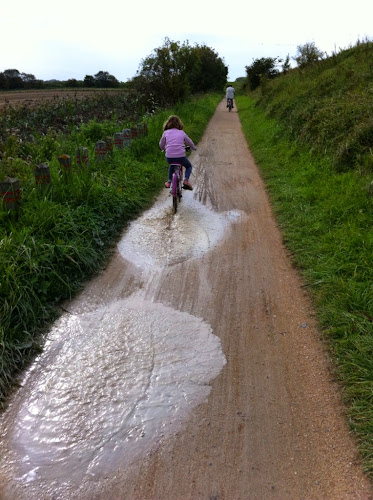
230	94
173	141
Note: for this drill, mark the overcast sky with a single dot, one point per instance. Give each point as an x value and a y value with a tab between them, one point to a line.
74	38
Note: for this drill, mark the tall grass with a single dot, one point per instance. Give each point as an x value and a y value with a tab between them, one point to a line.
63	236
326	221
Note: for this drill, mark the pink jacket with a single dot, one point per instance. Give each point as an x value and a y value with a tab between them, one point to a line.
173	141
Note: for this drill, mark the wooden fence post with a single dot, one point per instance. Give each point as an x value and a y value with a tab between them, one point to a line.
126	137
100	150
109	144
66	165
82	159
10	190
118	140
42	176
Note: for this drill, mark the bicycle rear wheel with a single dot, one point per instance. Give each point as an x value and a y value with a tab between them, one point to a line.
180	184
174	189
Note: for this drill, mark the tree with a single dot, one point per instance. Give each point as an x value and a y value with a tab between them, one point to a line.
73	82
103	79
11	79
264	67
211	72
174	71
89	81
286	64
308	54
162	77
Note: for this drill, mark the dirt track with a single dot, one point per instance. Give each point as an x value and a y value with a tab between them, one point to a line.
273	425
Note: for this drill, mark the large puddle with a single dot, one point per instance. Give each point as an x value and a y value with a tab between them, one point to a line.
114	381
158	239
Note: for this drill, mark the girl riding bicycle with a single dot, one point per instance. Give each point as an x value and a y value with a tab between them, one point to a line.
173	141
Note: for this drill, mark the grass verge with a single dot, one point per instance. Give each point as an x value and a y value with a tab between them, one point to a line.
326	221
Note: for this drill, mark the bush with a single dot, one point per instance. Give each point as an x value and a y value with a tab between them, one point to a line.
260	69
308	54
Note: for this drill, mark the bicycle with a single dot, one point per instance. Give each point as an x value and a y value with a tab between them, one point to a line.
177	179
230	104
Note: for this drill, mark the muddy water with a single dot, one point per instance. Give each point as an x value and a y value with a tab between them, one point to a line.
159	239
116	377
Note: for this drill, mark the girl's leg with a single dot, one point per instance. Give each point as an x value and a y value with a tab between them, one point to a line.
188	167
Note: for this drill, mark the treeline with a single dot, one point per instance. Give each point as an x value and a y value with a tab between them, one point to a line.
12	79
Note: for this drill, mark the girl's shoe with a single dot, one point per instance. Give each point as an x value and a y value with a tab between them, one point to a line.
187	185
167	184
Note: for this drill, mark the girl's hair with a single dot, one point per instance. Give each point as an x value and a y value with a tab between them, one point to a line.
173	121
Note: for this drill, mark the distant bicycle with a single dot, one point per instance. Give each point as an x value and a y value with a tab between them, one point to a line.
230	104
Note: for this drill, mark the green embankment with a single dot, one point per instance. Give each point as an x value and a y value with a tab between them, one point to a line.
318	183
61	238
